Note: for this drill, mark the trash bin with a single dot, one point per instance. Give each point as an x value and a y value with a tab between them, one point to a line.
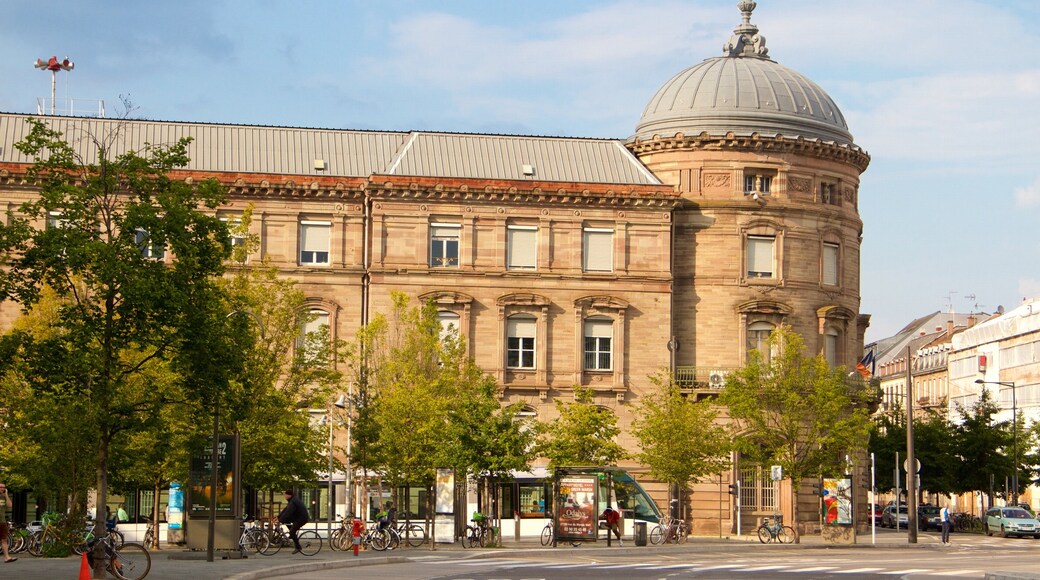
639	530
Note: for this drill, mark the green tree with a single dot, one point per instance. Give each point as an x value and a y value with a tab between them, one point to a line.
679	438
797	412
93	235
983	446
420	403
581	434
934	441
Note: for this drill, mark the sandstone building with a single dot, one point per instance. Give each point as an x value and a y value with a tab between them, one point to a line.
731	209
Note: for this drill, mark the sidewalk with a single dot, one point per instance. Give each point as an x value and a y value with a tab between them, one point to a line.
175	564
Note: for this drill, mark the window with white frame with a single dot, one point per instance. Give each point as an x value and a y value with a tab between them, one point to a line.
235	232
758	339
522	247
520	342
599	334
444	245
598	250
148	248
761	256
315	242
56	220
449	324
757	183
314	336
830	263
831	347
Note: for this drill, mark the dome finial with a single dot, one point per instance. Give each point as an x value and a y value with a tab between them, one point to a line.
746	41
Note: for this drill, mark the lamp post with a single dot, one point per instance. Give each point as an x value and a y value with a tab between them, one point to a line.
339	404
1014	434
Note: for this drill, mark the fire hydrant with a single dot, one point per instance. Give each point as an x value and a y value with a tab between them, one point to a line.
355	532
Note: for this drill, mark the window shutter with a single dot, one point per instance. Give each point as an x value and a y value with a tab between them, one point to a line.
599	250
314	236
830	264
760	256
522	246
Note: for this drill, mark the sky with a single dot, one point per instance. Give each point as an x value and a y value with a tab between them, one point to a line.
944	96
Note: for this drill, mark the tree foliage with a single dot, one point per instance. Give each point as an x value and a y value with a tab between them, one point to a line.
679	438
934	446
983	446
92	236
796	411
581	434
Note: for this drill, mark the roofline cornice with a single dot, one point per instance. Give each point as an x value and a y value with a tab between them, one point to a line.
755	142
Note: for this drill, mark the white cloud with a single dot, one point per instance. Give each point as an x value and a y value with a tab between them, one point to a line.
1028	196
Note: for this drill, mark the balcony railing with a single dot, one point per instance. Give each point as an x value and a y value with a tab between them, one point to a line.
701	378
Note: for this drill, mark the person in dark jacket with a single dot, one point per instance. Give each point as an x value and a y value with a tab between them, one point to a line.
295	516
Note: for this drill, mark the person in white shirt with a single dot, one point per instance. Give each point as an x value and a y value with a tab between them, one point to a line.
944	516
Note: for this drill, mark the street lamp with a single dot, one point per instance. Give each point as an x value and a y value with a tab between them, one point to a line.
1014	434
341	403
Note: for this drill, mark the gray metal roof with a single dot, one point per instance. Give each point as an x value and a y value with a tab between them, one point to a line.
347	153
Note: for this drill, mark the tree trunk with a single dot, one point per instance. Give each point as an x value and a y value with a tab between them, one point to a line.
100	518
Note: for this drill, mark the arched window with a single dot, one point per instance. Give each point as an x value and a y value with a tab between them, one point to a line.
521	332
314	337
599	336
449	324
758	339
831	347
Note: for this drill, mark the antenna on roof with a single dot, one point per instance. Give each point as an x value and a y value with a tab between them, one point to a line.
949	301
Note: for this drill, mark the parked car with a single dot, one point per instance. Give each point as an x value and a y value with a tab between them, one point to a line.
891	518
875	513
928	518
1010	521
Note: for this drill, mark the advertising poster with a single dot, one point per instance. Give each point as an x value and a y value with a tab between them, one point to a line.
175	507
578	517
837	501
202	478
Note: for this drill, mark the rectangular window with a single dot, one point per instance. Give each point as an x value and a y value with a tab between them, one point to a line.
760	256
55	220
831	351
759	183
598	250
235	233
520	347
314	337
521	247
148	250
532	500
315	242
444	245
598	335
830	264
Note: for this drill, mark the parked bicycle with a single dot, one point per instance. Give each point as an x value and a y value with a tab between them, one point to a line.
412	533
670	530
480	533
129	561
253	538
773	530
547	531
965	522
149	534
378	539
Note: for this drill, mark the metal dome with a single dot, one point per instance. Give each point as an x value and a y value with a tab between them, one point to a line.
743	92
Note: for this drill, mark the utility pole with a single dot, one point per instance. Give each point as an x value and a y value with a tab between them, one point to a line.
911	463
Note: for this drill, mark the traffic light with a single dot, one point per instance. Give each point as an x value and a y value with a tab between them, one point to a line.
733	489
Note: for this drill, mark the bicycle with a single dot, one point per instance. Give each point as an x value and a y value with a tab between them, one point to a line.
341	537
130	561
278	536
412	533
386	538
149	534
548	532
769	531
252	538
670	530
480	533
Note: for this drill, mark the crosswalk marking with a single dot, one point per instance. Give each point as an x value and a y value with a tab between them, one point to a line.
907	571
813	569
764	568
858	571
956	573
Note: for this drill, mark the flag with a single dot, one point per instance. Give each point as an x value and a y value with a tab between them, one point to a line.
862	367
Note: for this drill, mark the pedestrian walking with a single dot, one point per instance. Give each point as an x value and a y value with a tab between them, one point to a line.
294	515
5	530
944	516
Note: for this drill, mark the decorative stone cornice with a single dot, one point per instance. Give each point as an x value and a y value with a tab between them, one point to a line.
756	143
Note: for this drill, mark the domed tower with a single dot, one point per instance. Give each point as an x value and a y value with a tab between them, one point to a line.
769	231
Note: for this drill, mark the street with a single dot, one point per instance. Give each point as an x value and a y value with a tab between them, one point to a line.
969	556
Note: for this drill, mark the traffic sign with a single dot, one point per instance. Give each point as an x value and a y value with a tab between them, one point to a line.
917	464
